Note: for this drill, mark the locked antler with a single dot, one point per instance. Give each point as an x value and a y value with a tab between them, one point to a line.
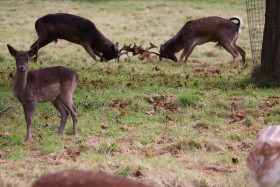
136	50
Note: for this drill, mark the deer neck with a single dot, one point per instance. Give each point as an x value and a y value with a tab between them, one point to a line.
20	81
103	43
173	45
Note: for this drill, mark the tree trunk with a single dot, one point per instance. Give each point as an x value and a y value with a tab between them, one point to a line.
270	60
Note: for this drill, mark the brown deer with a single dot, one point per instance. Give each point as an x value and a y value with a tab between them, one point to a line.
263	162
75	178
75	29
200	31
55	84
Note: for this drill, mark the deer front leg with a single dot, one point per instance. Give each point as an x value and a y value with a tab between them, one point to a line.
187	52
89	50
29	110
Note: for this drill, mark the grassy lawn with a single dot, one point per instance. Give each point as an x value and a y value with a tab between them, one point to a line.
204	114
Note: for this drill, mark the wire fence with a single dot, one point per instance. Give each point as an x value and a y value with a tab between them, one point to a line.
256	20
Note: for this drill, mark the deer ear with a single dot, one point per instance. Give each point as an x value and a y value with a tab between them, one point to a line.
12	51
117	44
33	51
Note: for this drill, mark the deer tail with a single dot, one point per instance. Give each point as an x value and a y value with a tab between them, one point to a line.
239	22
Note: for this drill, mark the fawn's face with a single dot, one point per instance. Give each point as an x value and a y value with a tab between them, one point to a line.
22	60
166	54
22	57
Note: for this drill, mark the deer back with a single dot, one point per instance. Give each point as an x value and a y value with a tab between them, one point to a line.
45	84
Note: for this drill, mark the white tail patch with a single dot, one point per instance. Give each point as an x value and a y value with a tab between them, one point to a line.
240	22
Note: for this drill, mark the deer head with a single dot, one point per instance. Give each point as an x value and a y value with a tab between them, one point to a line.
113	53
163	53
23	57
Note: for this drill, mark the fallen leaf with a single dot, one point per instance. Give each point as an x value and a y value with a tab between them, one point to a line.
104	127
138	173
234	160
150	155
150	112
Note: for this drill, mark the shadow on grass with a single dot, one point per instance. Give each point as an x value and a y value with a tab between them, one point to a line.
260	82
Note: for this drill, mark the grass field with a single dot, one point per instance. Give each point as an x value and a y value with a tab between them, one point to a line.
206	112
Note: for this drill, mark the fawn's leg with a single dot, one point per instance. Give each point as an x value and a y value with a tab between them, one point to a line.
29	110
63	115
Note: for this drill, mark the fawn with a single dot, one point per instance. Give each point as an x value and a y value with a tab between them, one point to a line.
54	84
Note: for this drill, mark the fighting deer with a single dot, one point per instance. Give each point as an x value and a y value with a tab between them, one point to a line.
75	29
76	178
200	31
54	84
263	162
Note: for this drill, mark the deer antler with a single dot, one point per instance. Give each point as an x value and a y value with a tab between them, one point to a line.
151	46
135	50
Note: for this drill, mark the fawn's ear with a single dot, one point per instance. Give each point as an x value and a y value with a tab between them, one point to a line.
33	51
117	44
12	51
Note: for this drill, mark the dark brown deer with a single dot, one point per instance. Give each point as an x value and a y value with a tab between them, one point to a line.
55	84
75	29
75	178
200	31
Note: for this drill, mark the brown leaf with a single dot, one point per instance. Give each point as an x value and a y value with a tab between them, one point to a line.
156	68
234	160
104	127
150	112
138	173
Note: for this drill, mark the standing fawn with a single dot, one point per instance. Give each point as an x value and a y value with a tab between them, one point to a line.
75	29
263	162
76	178
200	31
55	84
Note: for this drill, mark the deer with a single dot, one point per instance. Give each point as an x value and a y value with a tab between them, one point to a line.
79	178
263	161
197	32
54	84
75	29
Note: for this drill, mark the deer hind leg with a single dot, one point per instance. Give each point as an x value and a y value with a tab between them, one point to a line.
239	49
89	50
187	52
63	115
29	110
229	48
67	101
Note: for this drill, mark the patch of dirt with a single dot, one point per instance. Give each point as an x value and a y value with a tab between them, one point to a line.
52	159
209	146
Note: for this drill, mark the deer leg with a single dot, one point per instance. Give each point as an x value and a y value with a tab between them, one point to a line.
29	110
41	43
67	101
229	48
63	115
89	50
240	50
187	52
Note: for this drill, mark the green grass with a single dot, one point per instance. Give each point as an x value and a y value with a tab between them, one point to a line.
193	127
